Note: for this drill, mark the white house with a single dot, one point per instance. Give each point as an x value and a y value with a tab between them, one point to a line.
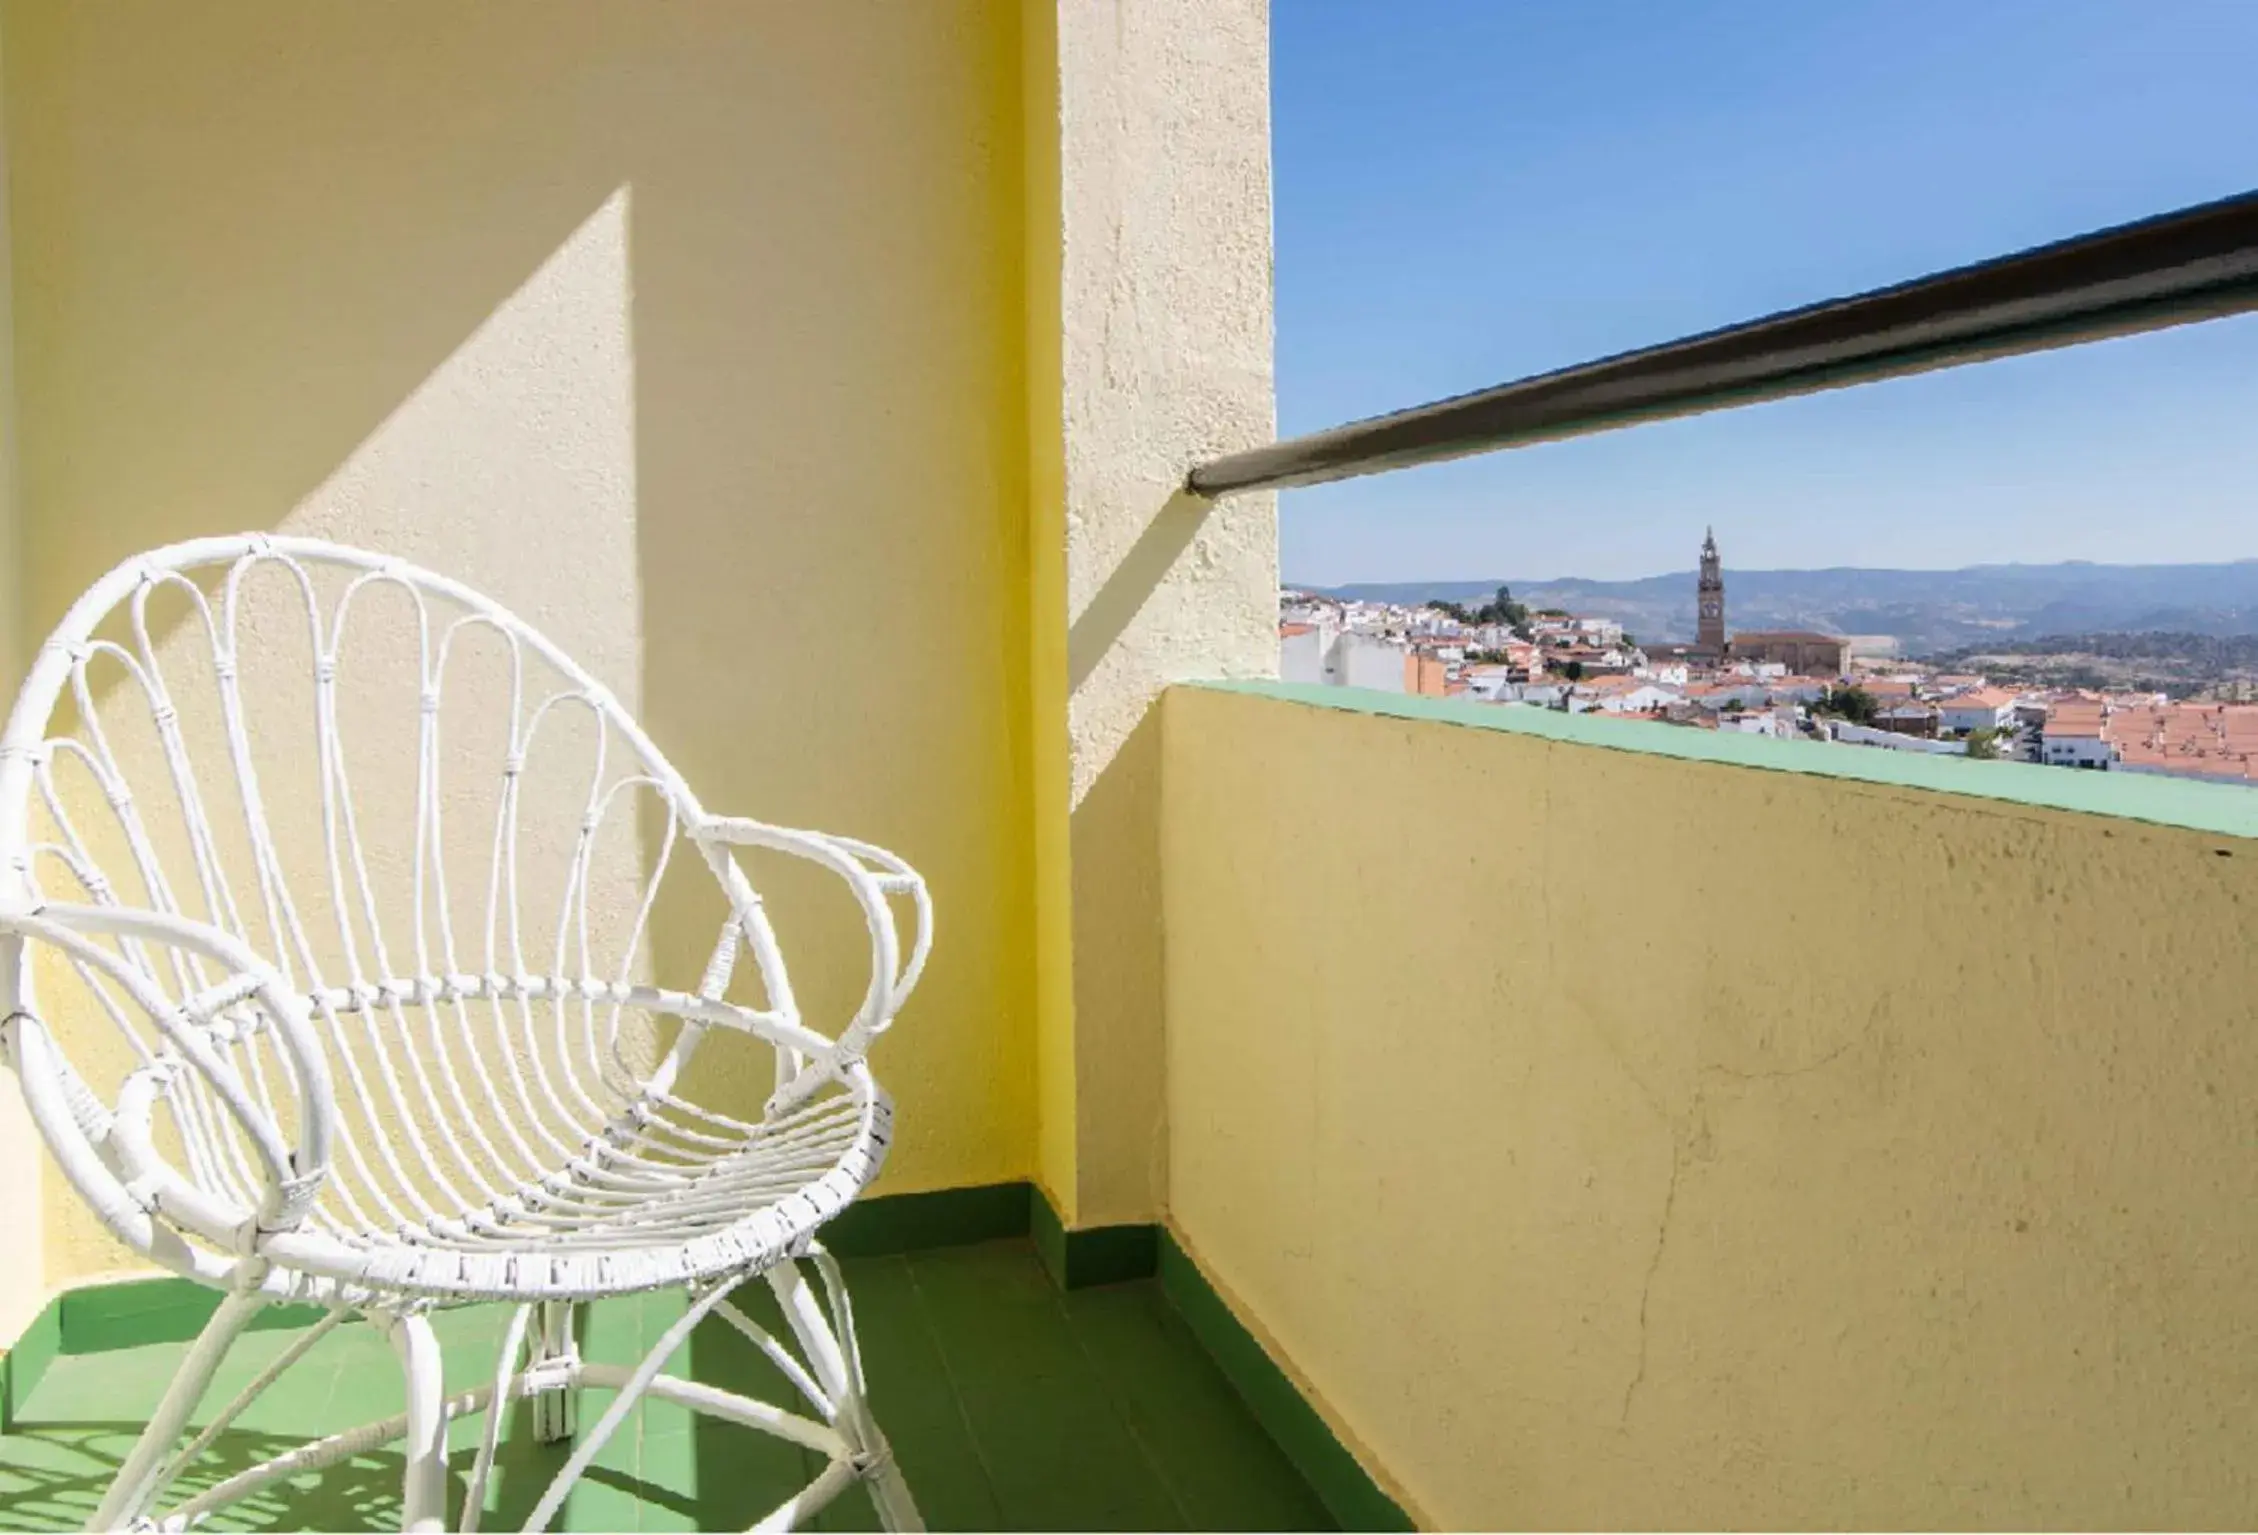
1370	661
1491	684
1643	699
1984	709
2077	735
1762	722
1303	651
2078	751
1866	735
1322	654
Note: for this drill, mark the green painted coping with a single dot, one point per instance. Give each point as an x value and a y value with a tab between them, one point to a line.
2221	809
1096	1255
1341	1482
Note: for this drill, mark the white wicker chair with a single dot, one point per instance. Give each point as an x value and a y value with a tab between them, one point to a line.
330	1100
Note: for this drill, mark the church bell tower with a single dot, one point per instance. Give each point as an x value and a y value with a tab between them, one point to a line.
1710	636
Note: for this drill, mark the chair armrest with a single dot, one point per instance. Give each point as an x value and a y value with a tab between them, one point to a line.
292	1173
874	877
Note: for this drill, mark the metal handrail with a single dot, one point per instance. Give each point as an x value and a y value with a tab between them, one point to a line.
2197	264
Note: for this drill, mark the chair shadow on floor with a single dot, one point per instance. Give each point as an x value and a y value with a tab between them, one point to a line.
56	1470
59	1472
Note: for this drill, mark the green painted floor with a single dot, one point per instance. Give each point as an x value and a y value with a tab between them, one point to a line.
1009	1404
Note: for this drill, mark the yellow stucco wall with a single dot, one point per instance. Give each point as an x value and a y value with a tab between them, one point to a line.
694	332
1617	1141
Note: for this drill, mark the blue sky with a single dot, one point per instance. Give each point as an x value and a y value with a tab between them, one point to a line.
1469	191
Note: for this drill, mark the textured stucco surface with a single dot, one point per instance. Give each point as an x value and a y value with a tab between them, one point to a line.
1164	319
22	1276
694	333
1618	1141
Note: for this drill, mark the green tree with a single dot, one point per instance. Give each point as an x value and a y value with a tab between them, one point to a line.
1850	702
1573	671
1983	744
1502	609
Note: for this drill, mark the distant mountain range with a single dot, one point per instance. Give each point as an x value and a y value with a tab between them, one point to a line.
1923	610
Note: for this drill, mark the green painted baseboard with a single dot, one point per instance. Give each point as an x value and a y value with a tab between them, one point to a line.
27	1360
1095	1255
1347	1490
167	1310
133	1312
126	1314
1075	1260
900	1223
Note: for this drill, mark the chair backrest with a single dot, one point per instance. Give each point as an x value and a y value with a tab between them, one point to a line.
439	829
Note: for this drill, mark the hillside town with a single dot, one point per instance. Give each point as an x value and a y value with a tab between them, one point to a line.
1785	684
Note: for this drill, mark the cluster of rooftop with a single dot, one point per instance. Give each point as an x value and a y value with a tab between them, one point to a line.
1783	683
2142	733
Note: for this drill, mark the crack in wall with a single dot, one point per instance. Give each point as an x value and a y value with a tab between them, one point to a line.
1678	1151
1653	1267
1874	1021
1832	1056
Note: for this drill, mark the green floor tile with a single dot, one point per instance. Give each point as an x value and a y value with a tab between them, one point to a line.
523	1470
1009	1407
667	1471
916	1404
1057	1449
1217	1461
604	1500
121	1385
744	1474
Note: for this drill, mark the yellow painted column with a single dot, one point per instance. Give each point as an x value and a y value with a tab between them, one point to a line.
1047	748
1150	350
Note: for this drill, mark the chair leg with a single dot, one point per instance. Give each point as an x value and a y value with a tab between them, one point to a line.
423	1494
554	1419
137	1485
624	1400
836	1354
897	1510
506	1376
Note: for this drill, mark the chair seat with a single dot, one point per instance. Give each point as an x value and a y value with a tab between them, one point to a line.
665	1196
